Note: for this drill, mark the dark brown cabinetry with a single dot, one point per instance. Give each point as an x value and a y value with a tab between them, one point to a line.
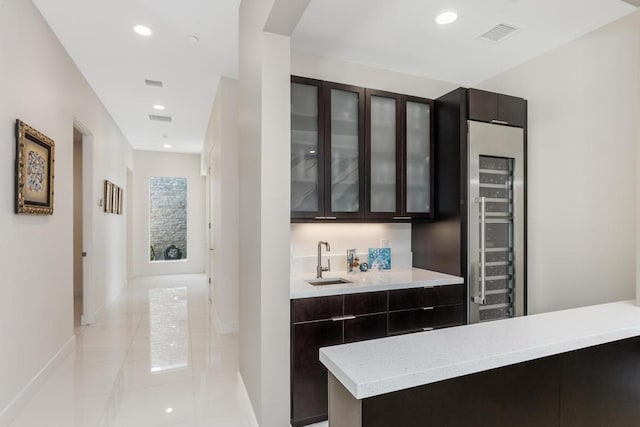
325	321
414	310
398	148
443	244
592	387
307	148
493	107
345	151
359	154
321	322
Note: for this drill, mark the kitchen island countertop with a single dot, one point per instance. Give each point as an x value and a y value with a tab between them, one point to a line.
376	367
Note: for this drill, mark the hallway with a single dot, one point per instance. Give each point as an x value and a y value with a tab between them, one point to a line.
152	359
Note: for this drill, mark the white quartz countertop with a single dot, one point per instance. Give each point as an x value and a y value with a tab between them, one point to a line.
371	368
370	281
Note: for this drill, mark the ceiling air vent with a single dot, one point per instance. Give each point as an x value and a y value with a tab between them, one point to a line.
158	118
499	33
153	83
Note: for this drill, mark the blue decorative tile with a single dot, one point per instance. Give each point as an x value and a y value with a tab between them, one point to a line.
381	256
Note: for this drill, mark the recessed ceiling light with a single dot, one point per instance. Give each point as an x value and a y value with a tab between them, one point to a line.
168	410
447	17
158	107
167	146
142	30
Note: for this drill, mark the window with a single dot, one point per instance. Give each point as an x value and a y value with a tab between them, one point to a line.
167	219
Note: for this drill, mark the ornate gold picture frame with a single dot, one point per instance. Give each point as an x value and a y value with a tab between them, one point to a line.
35	161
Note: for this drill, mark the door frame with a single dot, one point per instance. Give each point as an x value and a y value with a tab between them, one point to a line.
88	311
209	218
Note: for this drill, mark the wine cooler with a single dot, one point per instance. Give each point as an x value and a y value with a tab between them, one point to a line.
496	222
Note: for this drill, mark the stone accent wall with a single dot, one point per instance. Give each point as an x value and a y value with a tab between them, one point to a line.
167	215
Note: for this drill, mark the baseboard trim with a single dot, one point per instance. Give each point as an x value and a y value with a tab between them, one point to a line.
11	411
245	403
224	327
91	318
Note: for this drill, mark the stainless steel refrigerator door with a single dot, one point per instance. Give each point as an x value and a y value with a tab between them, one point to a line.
496	222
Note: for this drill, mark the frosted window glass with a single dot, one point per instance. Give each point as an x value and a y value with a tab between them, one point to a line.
344	151
304	148
418	161
383	154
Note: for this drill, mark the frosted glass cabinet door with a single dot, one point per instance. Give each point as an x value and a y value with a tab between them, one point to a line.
346	151
307	169
384	150
418	158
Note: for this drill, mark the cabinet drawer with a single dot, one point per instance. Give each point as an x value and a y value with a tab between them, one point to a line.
450	315
365	328
408	321
407	299
419	319
442	295
308	309
366	303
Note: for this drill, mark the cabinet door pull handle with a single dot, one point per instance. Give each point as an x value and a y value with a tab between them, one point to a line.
330	217
427	329
428	308
401	217
320	217
499	122
339	318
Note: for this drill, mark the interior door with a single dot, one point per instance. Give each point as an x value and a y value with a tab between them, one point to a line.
496	222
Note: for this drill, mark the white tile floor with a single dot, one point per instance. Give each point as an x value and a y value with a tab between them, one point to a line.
152	359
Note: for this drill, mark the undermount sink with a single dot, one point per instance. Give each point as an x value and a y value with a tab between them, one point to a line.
328	281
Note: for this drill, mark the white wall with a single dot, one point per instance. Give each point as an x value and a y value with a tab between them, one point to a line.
221	154
361	75
153	163
264	134
584	110
41	86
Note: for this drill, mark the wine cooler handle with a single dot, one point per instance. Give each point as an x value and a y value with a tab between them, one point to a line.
482	298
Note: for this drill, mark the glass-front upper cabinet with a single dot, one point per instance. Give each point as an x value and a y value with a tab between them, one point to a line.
418	159
383	145
344	188
307	148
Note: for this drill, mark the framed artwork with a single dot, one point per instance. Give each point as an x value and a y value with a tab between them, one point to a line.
34	171
108	190
120	201
114	198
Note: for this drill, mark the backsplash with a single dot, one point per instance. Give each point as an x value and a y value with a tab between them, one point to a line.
305	237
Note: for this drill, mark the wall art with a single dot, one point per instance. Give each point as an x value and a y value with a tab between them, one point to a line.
34	171
113	198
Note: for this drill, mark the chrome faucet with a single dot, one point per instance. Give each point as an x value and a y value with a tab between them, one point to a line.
320	268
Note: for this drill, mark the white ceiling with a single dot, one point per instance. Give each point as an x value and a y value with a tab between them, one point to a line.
99	37
401	35
398	35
